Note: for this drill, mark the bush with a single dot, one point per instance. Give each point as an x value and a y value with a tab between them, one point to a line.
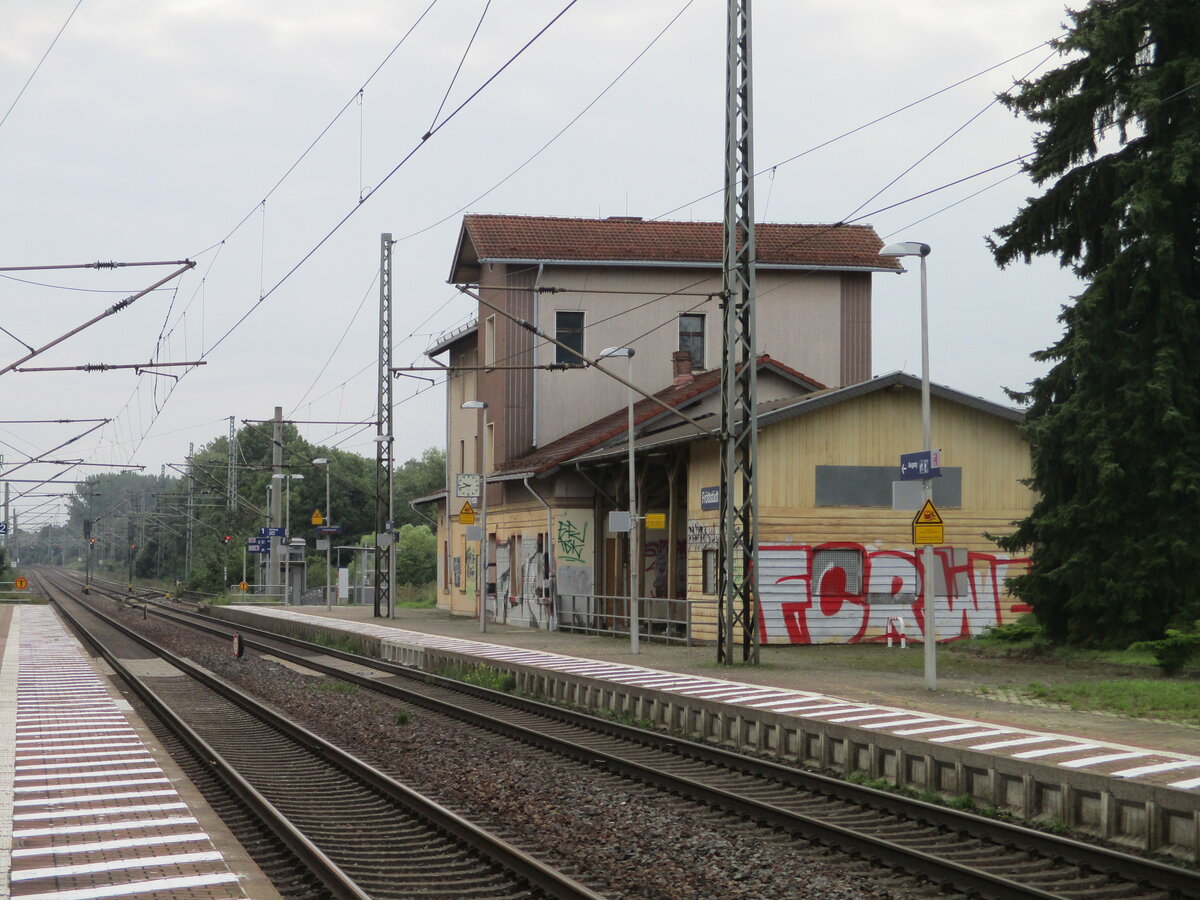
1175	650
1024	630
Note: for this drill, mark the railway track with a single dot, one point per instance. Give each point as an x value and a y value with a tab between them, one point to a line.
945	847
361	833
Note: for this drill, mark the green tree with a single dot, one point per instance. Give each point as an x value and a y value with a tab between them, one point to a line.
416	555
418	477
1114	424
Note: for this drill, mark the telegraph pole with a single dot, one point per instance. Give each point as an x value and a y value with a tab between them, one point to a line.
385	571
738	572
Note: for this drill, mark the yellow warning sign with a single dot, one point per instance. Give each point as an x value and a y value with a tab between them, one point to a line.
21	583
656	521
927	525
466	515
244	586
317	518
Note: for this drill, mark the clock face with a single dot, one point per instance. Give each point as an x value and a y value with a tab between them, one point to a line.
467	484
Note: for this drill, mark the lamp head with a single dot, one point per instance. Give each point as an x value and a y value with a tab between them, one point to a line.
906	248
321	462
609	352
475	404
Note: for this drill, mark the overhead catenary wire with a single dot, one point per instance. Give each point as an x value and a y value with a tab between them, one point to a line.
29	80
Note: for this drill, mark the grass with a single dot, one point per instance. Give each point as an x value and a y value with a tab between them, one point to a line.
416	596
1173	700
482	676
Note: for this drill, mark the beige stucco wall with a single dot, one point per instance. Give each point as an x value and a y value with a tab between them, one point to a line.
798	322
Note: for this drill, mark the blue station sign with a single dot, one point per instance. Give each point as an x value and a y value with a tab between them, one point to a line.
920	465
270	532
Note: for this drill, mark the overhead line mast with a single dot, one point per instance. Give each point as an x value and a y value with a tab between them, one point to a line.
737	611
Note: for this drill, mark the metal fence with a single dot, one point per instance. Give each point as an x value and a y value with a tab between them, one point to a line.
659	619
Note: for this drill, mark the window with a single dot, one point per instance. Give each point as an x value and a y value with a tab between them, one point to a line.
837	571
489	341
710	572
568	329
691	338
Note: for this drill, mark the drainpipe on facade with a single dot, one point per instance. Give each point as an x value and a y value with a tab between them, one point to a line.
537	283
551	567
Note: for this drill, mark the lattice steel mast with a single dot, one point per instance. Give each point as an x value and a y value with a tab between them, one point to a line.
384	464
737	594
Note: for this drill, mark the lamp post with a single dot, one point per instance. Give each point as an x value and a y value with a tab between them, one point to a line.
328	537
287	534
634	562
912	248
482	406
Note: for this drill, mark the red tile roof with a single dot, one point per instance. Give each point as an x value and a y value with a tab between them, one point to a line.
620	238
615	423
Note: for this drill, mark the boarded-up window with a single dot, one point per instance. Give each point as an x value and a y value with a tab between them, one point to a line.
872	485
710	572
837	571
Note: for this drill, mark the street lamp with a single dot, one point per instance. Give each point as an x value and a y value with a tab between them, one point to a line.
912	248
287	534
328	537
634	562
482	406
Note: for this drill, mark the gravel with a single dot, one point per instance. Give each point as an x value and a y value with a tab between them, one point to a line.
623	840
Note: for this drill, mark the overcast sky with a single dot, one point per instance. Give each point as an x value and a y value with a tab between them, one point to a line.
163	131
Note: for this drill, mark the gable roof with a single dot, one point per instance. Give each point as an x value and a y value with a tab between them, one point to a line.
603	430
635	241
775	411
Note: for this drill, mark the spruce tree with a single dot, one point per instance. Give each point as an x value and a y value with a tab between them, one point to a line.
1114	425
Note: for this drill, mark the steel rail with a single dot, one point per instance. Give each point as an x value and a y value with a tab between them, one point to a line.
915	862
1183	882
328	872
524	866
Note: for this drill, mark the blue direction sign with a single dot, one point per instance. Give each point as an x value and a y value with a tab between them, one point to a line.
258	548
270	532
328	529
3	528
919	465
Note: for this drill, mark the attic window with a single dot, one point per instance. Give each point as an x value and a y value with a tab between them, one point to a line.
568	329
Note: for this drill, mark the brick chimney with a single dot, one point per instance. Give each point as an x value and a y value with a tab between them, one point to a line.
681	366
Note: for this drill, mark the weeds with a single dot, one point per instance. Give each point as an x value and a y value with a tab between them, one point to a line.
334	687
402	717
482	676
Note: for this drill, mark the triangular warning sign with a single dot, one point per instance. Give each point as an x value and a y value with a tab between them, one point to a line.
466	509
928	515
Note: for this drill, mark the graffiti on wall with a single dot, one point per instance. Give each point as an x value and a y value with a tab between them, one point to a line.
846	592
702	535
572	541
655	565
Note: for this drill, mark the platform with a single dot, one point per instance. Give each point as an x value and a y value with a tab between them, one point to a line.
1072	773
90	804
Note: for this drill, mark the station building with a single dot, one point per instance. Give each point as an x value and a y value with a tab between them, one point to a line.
836	560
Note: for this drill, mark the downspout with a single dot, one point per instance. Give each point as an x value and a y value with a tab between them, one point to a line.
432	522
551	580
537	283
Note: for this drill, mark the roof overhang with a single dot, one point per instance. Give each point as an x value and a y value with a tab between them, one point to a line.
667	264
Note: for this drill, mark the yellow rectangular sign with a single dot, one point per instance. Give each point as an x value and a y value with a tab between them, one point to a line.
656	521
927	525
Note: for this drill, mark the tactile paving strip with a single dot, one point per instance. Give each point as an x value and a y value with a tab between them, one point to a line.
93	814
